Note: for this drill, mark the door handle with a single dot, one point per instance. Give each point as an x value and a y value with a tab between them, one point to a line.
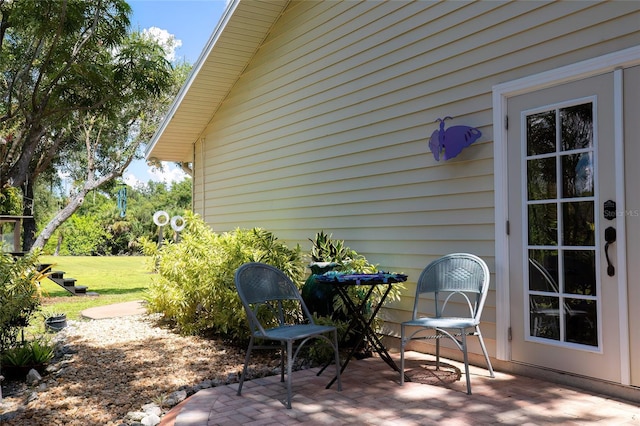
610	238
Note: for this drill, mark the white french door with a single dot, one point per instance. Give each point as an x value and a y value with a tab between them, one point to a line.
562	283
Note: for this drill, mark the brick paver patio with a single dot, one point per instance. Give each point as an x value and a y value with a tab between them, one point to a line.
372	395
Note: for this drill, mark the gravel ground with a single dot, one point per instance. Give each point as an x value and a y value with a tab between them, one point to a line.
107	368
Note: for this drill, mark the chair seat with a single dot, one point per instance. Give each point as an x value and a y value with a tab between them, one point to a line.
448	322
294	332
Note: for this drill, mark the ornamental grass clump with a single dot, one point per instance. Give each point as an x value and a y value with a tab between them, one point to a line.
34	353
194	287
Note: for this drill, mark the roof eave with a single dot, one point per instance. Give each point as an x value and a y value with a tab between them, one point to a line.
181	128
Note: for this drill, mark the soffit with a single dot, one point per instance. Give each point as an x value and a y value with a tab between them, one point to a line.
240	32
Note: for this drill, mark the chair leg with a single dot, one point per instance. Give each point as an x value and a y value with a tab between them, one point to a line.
282	353
466	361
246	363
289	368
337	358
437	350
484	351
401	355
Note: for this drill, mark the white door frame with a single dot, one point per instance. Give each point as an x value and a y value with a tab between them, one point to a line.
612	62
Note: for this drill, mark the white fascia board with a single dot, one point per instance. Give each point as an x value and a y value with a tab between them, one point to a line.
215	36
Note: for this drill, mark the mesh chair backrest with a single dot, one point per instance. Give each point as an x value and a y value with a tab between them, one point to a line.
258	282
258	285
457	272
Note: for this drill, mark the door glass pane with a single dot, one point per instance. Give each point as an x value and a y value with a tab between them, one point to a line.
581	319
580	272
541	179
577	174
578	224
541	133
560	200
576	127
543	270
543	226
544	318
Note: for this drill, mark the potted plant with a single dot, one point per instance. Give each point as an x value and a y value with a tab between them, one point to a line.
18	360
55	321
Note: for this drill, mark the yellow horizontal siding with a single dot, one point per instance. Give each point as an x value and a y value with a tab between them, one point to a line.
328	127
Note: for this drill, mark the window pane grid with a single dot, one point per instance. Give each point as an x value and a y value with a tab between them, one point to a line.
560	202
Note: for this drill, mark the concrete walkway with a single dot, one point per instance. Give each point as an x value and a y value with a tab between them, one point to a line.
123	309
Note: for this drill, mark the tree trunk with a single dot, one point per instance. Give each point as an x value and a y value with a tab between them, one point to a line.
75	202
29	228
60	239
58	219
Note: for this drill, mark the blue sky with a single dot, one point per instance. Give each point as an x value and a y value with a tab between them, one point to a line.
191	22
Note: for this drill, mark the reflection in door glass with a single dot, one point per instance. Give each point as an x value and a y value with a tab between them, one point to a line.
543	227
541	133
577	127
581	319
544	317
580	272
578	223
561	226
541	175
577	173
543	270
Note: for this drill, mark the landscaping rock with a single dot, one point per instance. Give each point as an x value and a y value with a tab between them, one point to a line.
33	377
105	370
176	398
152	409
151	420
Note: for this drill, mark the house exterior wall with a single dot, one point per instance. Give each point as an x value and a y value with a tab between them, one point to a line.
328	126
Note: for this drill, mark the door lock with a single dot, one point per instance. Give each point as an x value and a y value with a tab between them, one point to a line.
610	238
609	210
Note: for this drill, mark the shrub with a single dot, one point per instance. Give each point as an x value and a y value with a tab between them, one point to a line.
326	249
35	352
19	295
83	238
195	283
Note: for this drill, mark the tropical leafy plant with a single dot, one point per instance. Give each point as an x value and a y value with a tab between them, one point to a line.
41	351
19	295
35	352
326	249
195	286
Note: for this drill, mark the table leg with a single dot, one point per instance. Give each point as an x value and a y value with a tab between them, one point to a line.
359	321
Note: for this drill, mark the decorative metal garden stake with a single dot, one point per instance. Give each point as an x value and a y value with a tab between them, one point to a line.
177	224
160	218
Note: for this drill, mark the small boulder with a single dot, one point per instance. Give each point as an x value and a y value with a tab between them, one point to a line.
33	377
135	416
152	409
176	397
151	420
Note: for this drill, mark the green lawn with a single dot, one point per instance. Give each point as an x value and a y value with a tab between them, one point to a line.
115	279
